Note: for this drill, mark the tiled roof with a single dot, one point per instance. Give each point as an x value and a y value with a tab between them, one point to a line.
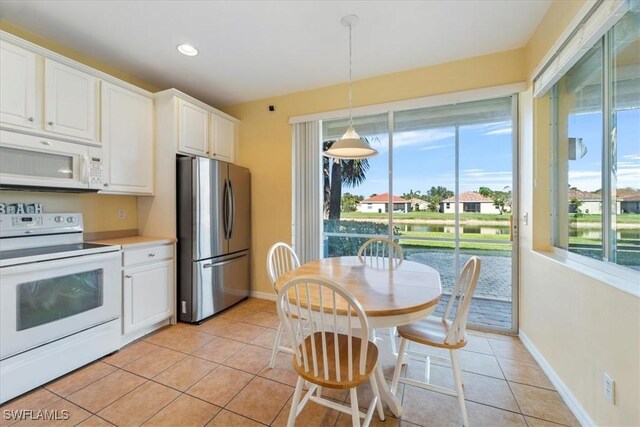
583	195
384	197
417	201
469	196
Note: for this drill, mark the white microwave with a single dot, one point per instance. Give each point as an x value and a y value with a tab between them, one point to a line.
28	161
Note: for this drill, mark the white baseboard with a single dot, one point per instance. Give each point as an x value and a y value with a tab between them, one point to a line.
263	295
564	391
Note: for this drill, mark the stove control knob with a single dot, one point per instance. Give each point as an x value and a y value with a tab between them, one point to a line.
58	219
69	219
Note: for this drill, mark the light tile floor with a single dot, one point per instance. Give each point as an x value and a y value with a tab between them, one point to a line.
216	374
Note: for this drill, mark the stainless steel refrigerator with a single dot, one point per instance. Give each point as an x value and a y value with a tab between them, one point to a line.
214	235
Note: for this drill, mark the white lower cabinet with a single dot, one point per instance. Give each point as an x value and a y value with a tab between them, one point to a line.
148	287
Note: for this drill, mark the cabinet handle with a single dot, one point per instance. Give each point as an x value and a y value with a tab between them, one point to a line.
128	276
50	123
46	143
152	255
106	184
30	119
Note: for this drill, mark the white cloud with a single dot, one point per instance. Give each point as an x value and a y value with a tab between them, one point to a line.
472	179
585	180
435	147
632	157
423	137
503	131
583	174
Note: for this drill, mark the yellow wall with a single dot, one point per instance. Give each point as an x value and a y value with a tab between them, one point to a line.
100	211
581	326
554	23
265	138
568	316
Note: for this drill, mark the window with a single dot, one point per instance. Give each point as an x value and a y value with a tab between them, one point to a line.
596	116
471	207
450	157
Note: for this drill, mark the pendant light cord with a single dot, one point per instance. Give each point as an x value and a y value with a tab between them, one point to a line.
350	100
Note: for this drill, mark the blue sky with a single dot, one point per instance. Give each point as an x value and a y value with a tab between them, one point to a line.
586	173
426	158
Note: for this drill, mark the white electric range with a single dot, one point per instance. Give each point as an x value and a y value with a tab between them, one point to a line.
60	299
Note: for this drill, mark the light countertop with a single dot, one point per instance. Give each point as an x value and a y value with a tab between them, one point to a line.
136	241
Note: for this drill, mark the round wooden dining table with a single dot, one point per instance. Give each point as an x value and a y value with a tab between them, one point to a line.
390	296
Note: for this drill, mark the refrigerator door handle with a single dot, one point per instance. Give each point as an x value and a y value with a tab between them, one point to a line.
229	207
233	209
225	210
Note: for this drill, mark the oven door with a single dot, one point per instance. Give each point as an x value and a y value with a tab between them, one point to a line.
31	161
45	301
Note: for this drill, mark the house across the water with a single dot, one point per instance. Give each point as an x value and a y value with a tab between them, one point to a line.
380	204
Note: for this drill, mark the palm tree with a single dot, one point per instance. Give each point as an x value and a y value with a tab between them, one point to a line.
338	173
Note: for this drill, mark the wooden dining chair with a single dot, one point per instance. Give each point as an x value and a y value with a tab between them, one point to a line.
333	349
443	333
382	252
281	258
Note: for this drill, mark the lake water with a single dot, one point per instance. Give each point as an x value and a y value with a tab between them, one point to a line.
587	233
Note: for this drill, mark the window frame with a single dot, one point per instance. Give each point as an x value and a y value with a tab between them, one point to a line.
606	270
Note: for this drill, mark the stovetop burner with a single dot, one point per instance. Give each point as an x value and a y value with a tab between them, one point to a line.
36	238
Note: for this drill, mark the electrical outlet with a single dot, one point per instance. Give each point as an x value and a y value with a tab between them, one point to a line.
609	388
122	214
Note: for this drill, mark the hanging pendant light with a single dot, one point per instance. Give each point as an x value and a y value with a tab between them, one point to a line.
350	146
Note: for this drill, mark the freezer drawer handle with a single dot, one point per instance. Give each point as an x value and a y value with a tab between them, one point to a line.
227	261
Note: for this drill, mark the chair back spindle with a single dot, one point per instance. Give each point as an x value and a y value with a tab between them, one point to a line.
281	258
461	296
381	252
325	308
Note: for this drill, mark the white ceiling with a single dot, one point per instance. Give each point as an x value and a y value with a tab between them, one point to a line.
256	49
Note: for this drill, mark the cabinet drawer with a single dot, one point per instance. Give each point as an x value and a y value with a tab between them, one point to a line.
148	254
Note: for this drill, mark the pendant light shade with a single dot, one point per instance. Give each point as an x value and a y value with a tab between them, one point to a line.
351	145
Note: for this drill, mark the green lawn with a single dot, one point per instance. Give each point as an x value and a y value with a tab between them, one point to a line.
406	239
593	218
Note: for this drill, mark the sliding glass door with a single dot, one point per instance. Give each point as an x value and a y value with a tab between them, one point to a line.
443	187
354	208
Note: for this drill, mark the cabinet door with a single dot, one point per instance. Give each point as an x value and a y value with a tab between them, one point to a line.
193	129
69	101
147	295
223	138
17	86
127	138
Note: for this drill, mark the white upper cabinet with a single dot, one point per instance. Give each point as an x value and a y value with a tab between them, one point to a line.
17	86
193	129
69	101
127	138
223	138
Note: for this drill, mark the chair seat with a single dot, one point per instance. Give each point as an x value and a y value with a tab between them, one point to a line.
332	382
430	331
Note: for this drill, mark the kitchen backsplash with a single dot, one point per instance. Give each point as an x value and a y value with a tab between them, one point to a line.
101	212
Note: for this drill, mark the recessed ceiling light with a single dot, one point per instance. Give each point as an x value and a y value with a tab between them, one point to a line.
187	49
